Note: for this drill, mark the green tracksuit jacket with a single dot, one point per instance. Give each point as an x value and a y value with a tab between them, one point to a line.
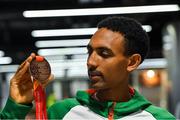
84	107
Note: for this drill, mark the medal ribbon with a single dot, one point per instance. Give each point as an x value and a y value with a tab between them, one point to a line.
40	101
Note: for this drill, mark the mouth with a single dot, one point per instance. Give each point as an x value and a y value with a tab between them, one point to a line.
95	76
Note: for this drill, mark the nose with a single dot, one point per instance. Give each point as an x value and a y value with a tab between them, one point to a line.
92	61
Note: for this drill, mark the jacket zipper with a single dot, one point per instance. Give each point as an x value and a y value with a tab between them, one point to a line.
111	109
111	112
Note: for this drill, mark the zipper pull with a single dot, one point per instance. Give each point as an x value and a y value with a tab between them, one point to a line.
111	112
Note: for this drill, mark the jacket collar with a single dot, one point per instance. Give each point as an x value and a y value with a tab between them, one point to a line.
136	103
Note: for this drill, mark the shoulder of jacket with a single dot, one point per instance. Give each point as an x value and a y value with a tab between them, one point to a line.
159	113
61	108
66	103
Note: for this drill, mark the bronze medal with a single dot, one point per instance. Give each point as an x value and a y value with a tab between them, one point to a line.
40	69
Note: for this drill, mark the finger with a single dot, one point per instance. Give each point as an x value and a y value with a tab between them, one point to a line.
31	57
21	74
20	66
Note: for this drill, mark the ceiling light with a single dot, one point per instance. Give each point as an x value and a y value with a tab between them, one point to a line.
1	53
5	60
147	28
78	72
68	65
62	51
84	56
153	63
62	43
150	73
8	68
101	11
72	32
63	32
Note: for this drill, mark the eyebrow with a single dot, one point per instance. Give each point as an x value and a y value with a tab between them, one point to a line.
99	48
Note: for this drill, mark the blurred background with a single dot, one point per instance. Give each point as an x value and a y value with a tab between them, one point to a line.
61	29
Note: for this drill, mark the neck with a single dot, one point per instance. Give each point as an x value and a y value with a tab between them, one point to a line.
120	95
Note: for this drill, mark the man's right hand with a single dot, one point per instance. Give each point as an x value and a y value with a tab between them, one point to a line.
21	85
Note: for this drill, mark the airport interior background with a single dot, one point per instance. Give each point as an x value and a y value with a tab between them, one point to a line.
59	30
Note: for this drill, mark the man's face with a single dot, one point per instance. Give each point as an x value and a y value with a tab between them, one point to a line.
107	65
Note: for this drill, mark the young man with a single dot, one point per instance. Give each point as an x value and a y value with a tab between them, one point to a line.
116	49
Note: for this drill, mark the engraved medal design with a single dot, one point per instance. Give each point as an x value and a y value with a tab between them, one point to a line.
40	69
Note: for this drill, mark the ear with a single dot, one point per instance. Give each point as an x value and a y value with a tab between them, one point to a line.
133	62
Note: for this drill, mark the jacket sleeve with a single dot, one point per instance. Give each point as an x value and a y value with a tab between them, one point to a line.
14	110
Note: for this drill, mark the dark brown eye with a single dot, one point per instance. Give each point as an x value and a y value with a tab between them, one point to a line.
105	53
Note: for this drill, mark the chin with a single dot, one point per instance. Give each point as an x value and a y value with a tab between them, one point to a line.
97	87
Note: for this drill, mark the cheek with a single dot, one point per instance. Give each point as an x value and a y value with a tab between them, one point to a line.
116	70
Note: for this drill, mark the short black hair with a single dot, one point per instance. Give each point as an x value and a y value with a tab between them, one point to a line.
136	38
